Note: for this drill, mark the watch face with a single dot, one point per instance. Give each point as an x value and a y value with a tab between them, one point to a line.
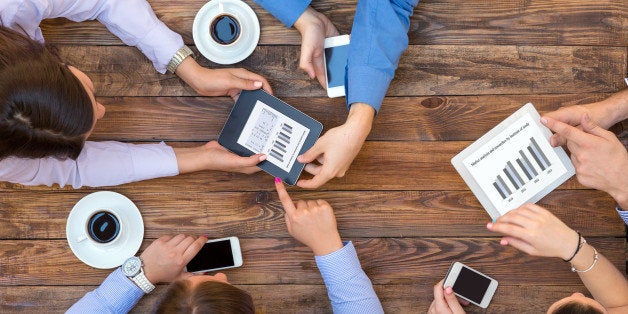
132	266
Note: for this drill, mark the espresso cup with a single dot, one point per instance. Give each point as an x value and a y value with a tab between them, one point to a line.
225	29
103	227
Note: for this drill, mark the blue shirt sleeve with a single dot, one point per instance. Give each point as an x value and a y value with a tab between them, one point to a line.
348	287
623	214
286	11
117	294
378	38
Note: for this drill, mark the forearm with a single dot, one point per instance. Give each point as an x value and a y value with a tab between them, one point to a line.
607	284
361	116
611	110
191	159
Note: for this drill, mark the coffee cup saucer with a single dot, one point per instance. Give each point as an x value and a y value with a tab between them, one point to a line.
242	47
105	255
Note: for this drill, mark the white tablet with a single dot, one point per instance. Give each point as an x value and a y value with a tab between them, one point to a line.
513	163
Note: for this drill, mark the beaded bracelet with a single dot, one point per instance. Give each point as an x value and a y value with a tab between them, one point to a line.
595	258
580	243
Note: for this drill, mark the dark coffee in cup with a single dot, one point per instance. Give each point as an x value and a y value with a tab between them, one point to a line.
225	29
103	227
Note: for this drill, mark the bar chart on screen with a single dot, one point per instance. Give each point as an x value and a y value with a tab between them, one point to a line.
513	163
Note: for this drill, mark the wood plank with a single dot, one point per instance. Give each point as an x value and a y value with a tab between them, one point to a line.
284	298
30	215
378	166
438	118
284	261
539	22
423	70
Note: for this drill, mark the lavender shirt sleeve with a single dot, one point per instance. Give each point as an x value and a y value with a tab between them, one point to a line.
133	21
117	294
99	164
348	287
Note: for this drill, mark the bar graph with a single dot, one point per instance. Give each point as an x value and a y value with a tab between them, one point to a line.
526	167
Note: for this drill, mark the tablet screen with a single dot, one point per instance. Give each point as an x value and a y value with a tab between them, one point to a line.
269	132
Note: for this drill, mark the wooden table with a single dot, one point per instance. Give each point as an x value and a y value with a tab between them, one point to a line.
469	65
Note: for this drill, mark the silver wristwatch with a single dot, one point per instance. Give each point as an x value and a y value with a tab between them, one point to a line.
132	268
178	57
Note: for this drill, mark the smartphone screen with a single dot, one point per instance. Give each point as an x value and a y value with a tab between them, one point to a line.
213	255
471	285
336	58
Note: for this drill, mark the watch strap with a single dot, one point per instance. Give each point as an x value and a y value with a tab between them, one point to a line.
178	57
143	283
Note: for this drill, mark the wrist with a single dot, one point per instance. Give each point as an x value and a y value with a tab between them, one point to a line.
306	18
327	247
188	70
361	117
571	246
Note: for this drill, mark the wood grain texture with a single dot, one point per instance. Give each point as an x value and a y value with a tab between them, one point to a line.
391	261
285	298
423	70
424	166
538	22
29	214
438	118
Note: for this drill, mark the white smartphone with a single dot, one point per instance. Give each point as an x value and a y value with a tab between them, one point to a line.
470	284
335	56
216	255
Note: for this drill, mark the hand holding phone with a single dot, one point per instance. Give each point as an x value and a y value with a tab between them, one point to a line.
165	258
445	301
336	56
216	255
470	284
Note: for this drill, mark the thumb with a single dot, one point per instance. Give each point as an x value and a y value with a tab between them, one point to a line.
311	154
306	62
246	84
591	127
452	301
251	160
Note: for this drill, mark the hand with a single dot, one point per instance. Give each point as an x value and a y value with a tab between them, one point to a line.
310	222
212	156
600	159
445	301
165	259
534	230
220	82
314	28
337	148
572	115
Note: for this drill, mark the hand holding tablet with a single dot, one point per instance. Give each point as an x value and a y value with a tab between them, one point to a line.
262	124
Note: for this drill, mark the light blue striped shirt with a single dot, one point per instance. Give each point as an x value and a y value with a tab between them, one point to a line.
623	214
348	287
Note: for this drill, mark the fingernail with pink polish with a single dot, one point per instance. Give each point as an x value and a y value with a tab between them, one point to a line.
503	242
277	180
205	236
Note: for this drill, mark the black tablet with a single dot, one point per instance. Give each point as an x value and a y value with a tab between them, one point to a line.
260	123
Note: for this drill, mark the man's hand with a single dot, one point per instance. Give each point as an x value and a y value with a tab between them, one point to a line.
310	222
337	148
534	230
600	159
220	82
165	259
445	301
212	156
314	28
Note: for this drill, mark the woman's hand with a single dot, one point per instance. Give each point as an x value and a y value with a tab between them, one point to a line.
445	301
534	230
212	156
220	82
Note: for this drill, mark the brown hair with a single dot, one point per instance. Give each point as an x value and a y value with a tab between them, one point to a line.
574	307
205	297
44	109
